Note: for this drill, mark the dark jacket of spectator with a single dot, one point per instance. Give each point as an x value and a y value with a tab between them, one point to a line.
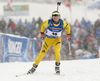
2	24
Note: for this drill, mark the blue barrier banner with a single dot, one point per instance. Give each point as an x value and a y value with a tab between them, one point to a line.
30	47
34	49
0	47
15	49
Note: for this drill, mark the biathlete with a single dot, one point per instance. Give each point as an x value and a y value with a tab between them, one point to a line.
54	26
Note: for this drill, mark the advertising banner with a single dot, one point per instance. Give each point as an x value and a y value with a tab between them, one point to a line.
34	49
1	48
15	49
18	10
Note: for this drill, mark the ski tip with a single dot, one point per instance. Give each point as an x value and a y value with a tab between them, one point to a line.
16	75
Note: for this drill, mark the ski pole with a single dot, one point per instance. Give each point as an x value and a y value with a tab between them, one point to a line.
58	4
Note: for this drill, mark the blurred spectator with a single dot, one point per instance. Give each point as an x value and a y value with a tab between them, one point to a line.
75	31
97	29
1	29
6	30
76	24
35	33
97	24
88	25
92	42
26	22
30	26
2	25
11	27
83	32
39	23
17	30
26	32
83	22
20	23
30	29
34	22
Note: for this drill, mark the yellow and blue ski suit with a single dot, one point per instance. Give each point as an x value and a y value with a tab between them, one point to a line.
53	37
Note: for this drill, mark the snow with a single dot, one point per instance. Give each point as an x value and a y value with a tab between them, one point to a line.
44	11
74	70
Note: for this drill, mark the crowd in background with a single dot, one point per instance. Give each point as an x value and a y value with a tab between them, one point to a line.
85	37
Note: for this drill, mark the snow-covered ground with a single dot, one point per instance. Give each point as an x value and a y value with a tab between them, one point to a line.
75	70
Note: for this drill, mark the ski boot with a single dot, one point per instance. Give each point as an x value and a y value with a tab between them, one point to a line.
57	67
33	69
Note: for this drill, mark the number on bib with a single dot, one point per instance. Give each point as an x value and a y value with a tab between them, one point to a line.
54	33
